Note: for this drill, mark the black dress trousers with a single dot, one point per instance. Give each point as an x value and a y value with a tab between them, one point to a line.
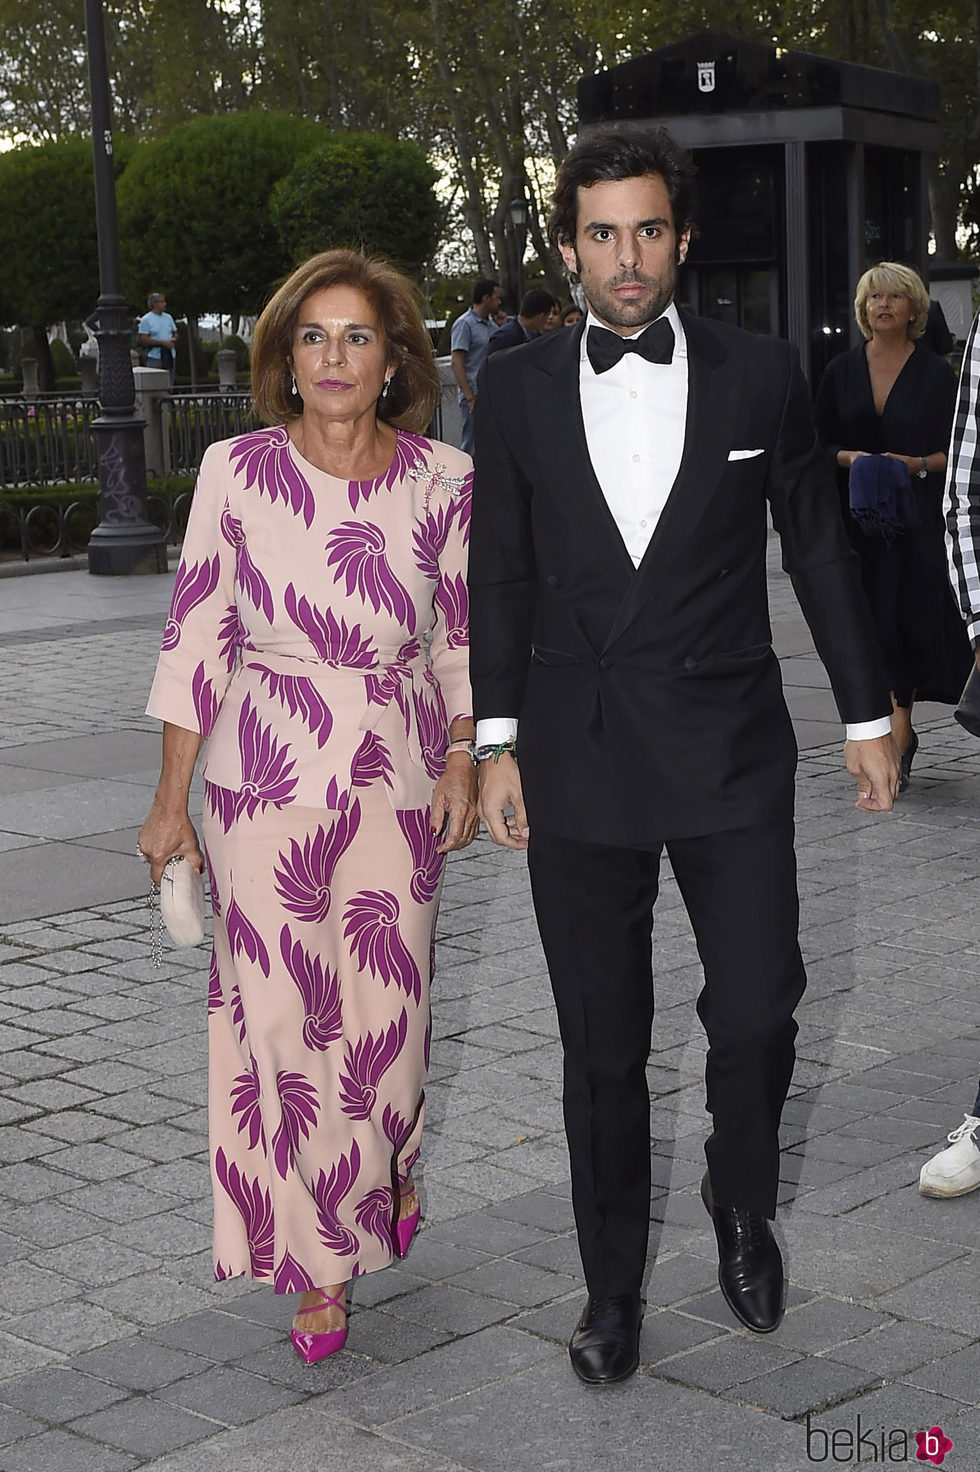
594	906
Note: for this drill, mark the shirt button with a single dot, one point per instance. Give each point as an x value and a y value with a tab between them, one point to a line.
633	393
643	523
636	459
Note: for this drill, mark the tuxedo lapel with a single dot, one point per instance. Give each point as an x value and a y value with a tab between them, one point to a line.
712	398
555	403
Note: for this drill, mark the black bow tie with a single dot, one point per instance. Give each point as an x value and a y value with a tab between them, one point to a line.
606	348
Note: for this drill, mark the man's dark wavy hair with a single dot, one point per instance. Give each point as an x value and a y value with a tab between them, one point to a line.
621	151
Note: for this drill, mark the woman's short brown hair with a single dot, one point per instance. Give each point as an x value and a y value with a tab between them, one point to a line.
893	276
414	390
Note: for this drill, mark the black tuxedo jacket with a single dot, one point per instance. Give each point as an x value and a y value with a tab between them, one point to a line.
649	699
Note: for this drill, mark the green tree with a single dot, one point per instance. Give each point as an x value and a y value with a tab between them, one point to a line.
193	210
374	194
47	237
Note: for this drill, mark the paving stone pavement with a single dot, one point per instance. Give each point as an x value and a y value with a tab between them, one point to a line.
116	1349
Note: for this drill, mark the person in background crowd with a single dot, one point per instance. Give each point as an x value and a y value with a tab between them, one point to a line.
158	334
891	397
571	314
539	313
470	340
318	639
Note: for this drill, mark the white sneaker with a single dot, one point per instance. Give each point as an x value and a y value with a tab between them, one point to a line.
955	1171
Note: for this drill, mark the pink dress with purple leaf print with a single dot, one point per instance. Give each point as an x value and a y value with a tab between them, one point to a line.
318	638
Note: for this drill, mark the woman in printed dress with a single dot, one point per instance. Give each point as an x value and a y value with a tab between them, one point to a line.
318	639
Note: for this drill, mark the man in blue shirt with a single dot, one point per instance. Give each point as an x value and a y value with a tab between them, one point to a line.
158	333
470	341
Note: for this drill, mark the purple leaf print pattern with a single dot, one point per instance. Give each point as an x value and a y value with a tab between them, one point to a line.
291	1278
265	765
374	1213
221	804
356	550
245	1094
408	448
192	586
299	695
238	1011
215	998
299	1114
304	878
319	988
232	635
329	1191
252	583
414	823
464	507
430	712
429	538
264	461
366	1062
396	1130
371	762
372	930
231	528
255	1206
205	700
212	886
334	642
243	937
334	798
453	602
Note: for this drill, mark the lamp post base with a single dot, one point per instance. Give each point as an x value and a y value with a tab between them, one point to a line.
121	551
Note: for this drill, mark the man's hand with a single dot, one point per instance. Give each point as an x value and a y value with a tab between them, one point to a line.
875	767
502	802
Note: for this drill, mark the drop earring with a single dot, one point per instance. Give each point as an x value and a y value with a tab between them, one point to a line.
384	391
294	390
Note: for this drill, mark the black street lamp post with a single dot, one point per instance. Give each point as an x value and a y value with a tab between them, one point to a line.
517	215
125	540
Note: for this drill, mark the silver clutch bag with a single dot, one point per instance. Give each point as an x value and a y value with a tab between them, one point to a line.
182	902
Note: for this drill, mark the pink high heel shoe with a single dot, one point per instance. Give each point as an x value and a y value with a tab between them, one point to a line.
406	1227
313	1347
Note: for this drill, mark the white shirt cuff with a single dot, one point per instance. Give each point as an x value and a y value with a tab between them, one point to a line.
868	730
495	731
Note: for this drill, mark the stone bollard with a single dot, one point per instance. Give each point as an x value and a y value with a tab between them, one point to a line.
452	420
226	360
88	366
28	367
152	387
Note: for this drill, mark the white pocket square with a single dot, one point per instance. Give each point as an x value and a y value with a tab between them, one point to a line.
744	454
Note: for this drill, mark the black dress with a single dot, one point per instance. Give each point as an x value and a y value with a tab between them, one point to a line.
922	635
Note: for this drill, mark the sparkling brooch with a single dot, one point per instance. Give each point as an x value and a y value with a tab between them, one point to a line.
436	479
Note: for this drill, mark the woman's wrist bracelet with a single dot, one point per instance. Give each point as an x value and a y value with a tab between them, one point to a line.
496	750
460	746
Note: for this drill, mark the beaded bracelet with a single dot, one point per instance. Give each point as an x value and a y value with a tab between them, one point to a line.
497	749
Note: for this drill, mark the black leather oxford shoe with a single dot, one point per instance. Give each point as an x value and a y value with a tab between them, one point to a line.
750	1267
605	1346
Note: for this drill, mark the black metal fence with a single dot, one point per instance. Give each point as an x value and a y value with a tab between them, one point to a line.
191	422
47	440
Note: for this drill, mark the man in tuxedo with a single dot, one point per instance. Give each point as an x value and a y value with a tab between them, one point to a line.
628	700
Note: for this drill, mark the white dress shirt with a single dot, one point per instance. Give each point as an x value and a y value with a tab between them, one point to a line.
635	415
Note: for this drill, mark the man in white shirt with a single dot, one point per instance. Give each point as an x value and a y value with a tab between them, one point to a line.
619	614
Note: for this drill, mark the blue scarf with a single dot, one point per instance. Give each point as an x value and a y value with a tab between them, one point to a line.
881	497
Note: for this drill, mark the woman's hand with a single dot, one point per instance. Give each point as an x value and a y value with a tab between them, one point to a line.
846	458
454	804
166	832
